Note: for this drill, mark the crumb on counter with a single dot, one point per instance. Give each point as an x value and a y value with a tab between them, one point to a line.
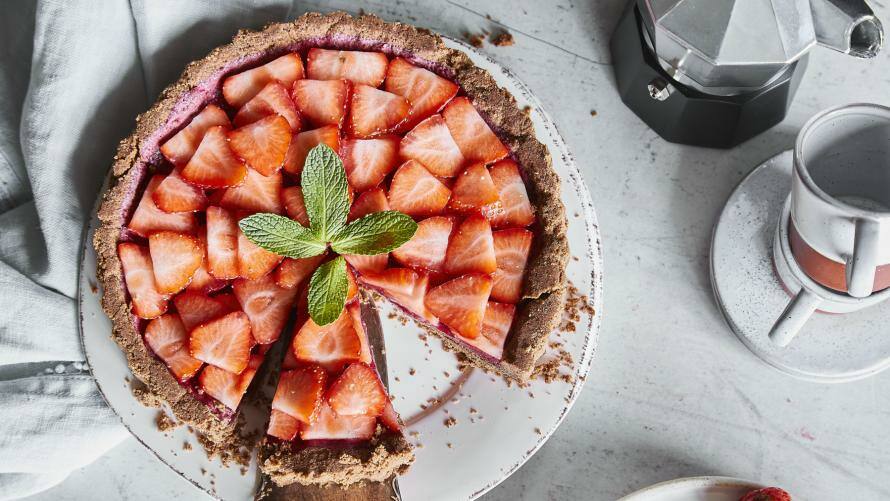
164	422
474	39
502	39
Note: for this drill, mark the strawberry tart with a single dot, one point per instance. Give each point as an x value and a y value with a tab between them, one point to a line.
246	147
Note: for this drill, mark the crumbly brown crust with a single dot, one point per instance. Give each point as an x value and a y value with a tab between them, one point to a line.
145	366
544	288
373	461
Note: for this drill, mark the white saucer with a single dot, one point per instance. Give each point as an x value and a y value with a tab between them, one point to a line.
830	348
695	489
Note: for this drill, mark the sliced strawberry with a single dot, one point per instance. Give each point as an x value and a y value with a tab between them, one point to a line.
473	190
258	193
405	287
290	361
262	144
272	100
368	68
148	218
367	264
416	192
427	247
173	194
175	258
351	286
495	327
300	392
431	144
222	243
357	392
202	280
513	208
329	425
355	312
305	141
282	426
767	494
292	273
254	261
460	303
373	111
167	338
474	137
241	88
294	205
267	305
224	342
368	161
373	200
426	91
180	148
511	249
229	388
390	418
214	165
331	346
139	276
323	102
471	249
196	308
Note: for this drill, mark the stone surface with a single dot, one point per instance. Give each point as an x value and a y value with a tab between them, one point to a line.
672	392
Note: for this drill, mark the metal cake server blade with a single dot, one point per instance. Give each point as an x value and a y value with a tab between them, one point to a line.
374	331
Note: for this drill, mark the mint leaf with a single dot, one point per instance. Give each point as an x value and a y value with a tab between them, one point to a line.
376	233
325	192
281	235
327	291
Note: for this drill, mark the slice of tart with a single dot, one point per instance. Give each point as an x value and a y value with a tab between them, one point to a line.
331	408
196	305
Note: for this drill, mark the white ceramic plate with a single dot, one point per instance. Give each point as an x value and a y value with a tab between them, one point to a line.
496	427
696	489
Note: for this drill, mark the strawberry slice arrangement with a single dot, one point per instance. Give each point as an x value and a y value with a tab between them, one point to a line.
314	174
767	494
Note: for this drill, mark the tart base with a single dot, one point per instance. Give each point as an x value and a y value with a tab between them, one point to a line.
543	290
374	461
142	362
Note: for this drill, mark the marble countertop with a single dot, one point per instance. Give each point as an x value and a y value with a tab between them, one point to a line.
672	392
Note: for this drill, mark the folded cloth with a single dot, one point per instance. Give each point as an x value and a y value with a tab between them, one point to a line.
73	76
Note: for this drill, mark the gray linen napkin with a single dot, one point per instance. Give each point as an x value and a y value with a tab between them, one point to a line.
73	76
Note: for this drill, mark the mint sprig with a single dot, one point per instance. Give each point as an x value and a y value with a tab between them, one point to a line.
325	192
326	195
281	235
376	233
327	291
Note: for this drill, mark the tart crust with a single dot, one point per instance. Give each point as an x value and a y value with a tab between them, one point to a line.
373	461
545	285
